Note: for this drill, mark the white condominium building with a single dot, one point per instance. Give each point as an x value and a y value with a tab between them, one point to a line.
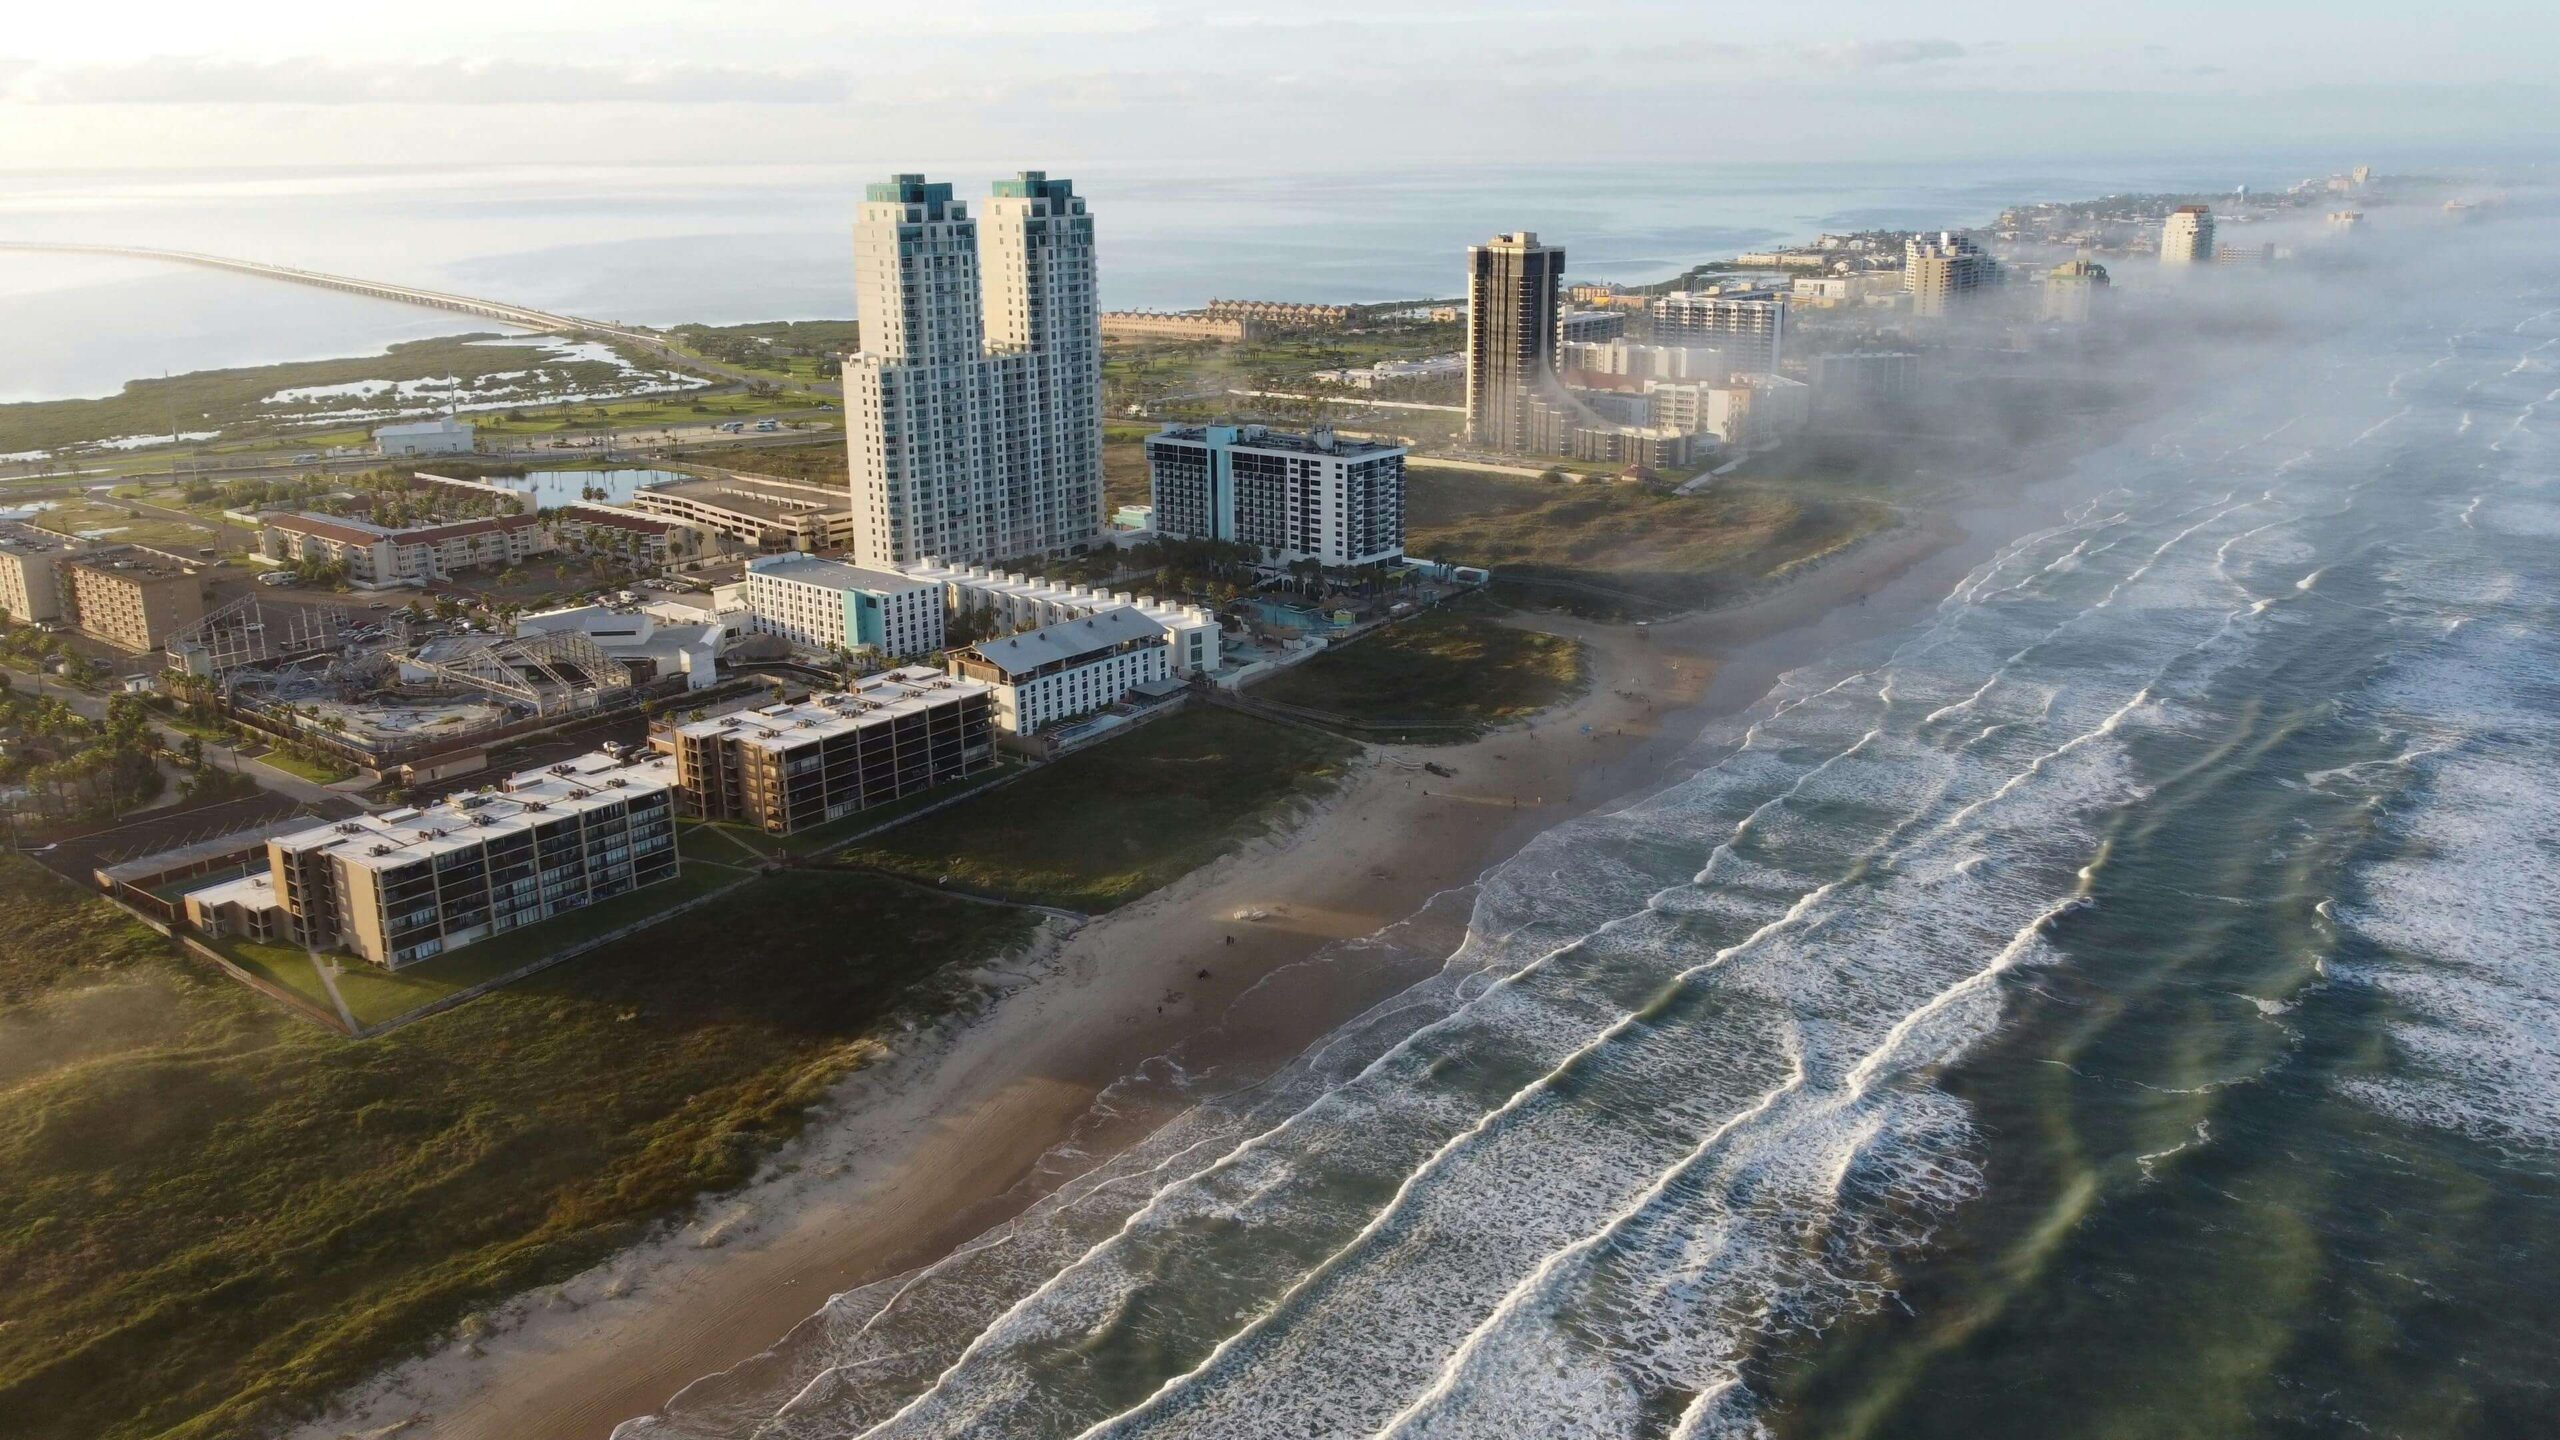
973	413
1060	671
828	605
1016	601
1298	497
2186	237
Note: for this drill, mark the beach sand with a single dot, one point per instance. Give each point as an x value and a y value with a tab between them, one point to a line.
960	1128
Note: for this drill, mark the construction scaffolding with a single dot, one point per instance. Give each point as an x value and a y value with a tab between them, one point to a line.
556	673
241	634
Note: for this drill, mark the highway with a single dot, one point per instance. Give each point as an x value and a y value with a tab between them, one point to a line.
521	316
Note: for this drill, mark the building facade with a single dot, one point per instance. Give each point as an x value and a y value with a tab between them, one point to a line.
990	600
1299	497
1155	325
1512	318
828	605
402	886
1074	667
129	598
31	586
377	557
1281	314
1748	327
754	512
973	412
2186	236
786	768
1945	272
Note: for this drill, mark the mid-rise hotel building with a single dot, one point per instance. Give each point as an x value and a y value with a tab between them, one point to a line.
1748	327
403	885
1057	672
785	768
1944	272
827	605
1299	497
2186	236
973	413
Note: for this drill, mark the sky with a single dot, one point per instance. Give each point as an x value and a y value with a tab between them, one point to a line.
1298	84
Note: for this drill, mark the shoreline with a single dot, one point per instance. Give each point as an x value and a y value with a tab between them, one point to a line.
931	1147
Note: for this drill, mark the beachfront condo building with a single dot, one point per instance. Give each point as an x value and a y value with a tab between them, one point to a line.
987	601
1316	496
401	886
973	414
1748	327
31	586
1943	273
786	768
827	605
1512	334
1058	672
2186	236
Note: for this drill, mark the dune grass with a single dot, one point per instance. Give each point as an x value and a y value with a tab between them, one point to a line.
1108	824
213	1215
1442	677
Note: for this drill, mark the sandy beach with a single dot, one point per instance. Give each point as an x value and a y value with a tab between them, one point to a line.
959	1128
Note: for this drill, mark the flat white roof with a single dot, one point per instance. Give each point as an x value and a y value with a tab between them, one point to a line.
874	700
1080	598
441	425
397	837
833	574
256	890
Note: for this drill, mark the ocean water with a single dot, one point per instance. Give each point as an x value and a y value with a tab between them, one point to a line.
663	245
2126	1002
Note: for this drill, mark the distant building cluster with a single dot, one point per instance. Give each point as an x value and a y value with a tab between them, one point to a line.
1281	314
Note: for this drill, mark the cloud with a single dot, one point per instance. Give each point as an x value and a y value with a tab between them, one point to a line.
180	80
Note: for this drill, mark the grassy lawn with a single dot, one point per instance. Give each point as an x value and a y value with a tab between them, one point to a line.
1452	671
1106	825
318	772
821	462
213	1215
1624	549
79	516
374	995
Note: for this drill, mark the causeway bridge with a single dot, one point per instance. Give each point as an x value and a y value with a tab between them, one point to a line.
523	316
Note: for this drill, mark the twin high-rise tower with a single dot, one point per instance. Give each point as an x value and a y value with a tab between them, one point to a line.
973	414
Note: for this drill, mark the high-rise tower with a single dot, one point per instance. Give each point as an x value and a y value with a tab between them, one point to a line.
1511	337
973	413
2186	237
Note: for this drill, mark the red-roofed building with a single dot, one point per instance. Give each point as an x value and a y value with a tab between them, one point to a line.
377	557
612	530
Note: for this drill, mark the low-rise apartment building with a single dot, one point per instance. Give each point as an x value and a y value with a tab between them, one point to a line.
1157	325
649	540
130	598
1057	672
994	599
829	605
757	512
377	557
785	768
31	586
404	885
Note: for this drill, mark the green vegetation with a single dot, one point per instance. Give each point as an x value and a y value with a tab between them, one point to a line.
1445	676
1620	549
234	401
71	768
120	524
310	767
819	463
793	351
214	1214
1106	825
375	995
